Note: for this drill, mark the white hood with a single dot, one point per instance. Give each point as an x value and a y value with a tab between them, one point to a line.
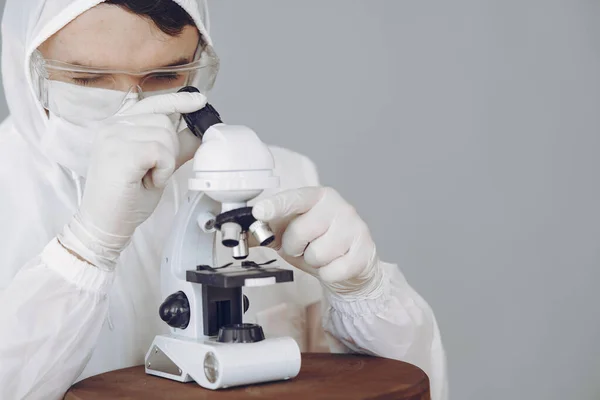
39	196
28	23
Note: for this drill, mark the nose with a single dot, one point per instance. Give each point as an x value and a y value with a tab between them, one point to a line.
127	83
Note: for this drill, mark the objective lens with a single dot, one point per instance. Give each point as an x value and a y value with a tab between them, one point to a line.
231	234
262	233
240	252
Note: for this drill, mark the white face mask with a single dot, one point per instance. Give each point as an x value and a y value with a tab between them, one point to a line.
81	104
70	142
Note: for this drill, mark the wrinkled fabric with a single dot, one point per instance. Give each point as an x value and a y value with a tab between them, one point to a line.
68	144
64	320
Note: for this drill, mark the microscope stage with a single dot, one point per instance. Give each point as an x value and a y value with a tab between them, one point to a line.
238	276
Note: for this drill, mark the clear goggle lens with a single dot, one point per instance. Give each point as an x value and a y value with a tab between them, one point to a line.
81	94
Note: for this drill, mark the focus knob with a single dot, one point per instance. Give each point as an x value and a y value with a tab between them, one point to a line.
246	304
175	310
241	333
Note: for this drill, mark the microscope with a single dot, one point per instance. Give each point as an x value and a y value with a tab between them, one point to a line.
203	302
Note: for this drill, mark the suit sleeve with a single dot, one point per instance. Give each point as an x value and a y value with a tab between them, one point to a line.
52	312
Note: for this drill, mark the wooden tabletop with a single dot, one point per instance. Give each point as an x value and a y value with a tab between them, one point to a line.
322	376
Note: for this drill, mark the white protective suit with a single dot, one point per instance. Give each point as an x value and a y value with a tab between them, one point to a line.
64	320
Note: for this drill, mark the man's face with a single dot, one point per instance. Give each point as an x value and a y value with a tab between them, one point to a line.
108	36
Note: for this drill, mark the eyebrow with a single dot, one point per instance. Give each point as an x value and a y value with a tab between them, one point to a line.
176	63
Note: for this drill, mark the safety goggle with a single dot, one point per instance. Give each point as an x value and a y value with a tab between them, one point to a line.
79	94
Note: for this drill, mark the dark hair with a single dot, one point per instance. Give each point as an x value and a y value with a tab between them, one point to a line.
167	15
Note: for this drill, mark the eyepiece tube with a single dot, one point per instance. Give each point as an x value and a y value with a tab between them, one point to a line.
199	121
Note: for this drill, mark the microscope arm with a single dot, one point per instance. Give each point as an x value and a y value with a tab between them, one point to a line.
190	244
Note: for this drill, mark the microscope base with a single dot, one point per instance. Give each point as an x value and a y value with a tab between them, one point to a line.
215	365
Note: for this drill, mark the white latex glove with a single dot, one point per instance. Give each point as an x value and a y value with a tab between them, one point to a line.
317	231
133	158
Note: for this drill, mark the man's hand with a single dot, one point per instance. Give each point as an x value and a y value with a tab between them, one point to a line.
319	232
132	160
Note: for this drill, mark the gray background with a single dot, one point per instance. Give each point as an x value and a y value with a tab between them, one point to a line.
466	134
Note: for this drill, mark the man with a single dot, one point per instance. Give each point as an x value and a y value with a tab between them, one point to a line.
93	165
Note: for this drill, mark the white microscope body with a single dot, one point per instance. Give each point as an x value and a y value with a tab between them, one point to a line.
204	304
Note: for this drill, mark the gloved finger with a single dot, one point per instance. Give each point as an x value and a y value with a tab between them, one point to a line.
188	144
299	263
157	160
314	223
165	137
306	228
295	201
137	127
164	169
168	104
148	120
351	264
147	180
334	243
341	269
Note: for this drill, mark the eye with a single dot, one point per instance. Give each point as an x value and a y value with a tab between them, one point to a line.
86	81
167	77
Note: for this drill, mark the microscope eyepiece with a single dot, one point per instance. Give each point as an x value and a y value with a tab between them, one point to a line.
199	121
